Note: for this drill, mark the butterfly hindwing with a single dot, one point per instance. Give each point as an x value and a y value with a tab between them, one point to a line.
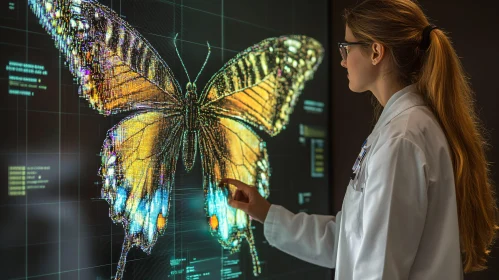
117	69
230	149
139	158
260	86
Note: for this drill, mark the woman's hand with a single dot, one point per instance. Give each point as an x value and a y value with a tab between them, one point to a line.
247	199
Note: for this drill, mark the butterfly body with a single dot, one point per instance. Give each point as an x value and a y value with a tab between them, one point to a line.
190	134
118	71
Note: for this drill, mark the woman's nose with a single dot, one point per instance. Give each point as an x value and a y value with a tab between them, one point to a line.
344	63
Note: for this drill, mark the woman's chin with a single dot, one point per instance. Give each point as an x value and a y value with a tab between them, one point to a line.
353	88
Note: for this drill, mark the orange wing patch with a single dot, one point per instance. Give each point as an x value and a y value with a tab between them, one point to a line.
213	222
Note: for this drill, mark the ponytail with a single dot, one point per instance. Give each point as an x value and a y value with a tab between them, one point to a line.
449	95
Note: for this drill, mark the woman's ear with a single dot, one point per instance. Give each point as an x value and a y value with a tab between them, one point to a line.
378	52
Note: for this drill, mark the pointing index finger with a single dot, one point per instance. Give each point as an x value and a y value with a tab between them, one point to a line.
238	184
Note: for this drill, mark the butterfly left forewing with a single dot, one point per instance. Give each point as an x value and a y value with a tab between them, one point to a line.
116	67
139	158
230	149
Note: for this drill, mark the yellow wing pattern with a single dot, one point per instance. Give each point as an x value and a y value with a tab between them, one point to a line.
260	86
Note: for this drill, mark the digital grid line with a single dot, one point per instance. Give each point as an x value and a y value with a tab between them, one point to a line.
52	112
26	161
22	30
73	270
222	58
79	186
60	140
225	17
20	46
173	199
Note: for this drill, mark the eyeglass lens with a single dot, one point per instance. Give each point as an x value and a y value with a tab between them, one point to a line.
343	52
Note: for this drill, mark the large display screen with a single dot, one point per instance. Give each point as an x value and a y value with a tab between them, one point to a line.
121	117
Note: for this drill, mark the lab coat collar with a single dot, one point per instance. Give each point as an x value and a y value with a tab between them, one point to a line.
400	101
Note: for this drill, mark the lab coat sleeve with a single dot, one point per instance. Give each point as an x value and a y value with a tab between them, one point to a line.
312	238
395	206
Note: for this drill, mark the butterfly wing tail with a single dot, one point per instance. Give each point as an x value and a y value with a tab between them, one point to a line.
127	245
257	269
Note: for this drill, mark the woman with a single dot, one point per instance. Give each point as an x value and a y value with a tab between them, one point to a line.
421	194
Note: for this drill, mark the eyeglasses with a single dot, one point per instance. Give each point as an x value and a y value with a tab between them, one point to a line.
344	50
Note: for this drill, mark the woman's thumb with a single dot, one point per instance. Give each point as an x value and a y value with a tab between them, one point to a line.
237	204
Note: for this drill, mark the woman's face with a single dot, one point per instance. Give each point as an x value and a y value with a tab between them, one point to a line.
361	73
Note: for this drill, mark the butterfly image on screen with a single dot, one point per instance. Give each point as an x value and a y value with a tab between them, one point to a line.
118	70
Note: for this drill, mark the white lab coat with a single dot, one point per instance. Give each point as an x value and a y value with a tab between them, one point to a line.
399	214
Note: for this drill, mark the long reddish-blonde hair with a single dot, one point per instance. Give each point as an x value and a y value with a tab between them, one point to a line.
440	78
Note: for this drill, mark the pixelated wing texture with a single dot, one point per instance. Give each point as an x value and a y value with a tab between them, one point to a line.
116	68
261	84
230	149
139	158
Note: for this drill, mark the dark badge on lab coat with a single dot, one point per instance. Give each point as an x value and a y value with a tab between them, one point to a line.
357	167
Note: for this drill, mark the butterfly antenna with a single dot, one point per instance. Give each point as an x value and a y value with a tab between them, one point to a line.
205	61
178	54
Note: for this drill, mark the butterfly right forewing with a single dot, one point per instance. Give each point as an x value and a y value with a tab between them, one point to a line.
260	86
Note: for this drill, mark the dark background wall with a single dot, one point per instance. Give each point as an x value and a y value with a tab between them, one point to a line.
472	26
